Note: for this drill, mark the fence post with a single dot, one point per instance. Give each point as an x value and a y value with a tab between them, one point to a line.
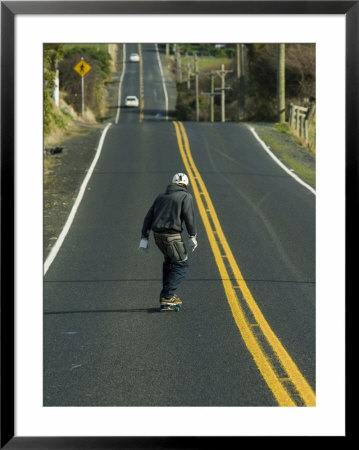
299	120
291	115
306	131
296	119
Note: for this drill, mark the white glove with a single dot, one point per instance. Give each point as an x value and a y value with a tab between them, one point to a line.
143	245
192	243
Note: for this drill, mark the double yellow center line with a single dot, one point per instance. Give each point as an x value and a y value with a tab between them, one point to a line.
281	374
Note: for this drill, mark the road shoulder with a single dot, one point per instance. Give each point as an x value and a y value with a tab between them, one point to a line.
295	157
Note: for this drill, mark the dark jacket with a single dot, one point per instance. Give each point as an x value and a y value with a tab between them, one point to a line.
170	211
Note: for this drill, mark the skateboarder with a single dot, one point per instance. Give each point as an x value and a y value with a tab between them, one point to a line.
166	218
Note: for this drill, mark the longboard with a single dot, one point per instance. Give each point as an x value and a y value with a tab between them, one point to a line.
170	307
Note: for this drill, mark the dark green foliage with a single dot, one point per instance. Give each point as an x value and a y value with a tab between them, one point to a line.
184	106
186	103
262	68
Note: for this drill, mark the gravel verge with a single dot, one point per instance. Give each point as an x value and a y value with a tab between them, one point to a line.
63	180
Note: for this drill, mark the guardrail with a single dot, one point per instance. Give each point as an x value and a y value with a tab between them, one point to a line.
299	117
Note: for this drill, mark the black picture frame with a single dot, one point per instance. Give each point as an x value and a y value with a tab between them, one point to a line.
9	9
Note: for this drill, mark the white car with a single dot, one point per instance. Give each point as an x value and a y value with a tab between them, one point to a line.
134	57
132	101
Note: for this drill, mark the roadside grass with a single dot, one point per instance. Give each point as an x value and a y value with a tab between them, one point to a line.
310	145
288	149
312	136
306	173
205	63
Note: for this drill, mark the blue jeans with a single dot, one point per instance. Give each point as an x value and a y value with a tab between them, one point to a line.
173	273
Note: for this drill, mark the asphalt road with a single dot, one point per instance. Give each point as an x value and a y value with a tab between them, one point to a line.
105	342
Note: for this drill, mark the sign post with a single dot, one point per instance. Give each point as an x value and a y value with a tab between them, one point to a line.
82	68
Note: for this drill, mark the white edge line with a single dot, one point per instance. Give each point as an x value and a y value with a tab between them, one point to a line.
299	180
120	84
163	80
60	239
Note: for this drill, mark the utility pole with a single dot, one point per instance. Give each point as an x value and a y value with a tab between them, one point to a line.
238	60
223	97
196	86
239	78
188	76
240	69
281	83
222	74
242	83
212	96
212	92
178	64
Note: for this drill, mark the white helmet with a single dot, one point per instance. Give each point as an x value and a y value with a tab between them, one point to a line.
180	178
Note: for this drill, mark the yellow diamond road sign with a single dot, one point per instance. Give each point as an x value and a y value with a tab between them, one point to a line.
82	68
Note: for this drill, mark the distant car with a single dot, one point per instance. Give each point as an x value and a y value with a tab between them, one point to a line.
132	101
134	57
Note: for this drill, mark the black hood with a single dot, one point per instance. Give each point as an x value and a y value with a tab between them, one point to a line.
174	188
